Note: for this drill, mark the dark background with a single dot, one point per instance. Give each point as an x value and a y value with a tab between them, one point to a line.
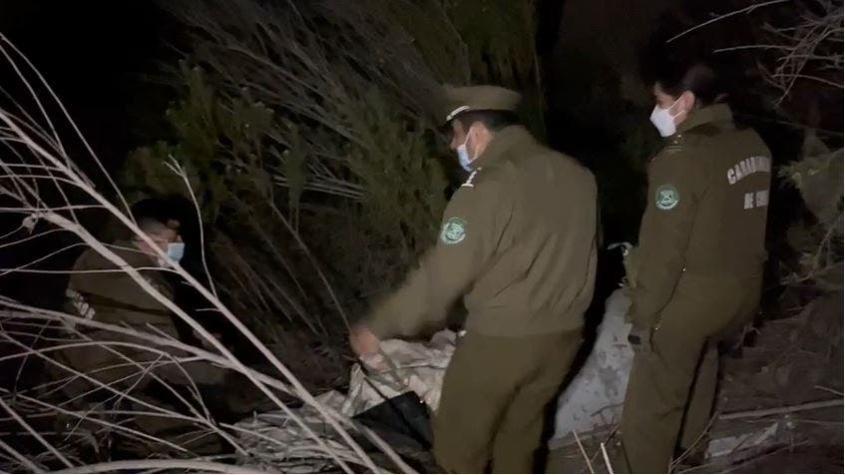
103	57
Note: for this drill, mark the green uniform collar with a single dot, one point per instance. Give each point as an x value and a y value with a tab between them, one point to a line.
716	114
127	250
503	141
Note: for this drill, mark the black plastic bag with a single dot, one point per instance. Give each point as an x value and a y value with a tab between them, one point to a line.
404	420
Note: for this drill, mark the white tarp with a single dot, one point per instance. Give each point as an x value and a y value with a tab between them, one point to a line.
594	397
276	443
593	400
413	366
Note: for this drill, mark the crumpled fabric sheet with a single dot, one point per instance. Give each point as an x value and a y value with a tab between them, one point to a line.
419	367
593	400
276	443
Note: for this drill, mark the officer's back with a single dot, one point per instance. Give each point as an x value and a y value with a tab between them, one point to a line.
728	234
541	278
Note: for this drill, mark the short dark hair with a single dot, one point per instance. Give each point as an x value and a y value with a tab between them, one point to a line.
494	120
153	212
699	77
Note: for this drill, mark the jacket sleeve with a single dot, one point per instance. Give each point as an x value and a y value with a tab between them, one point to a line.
673	195
470	230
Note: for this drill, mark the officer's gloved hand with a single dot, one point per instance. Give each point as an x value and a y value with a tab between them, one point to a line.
629	261
640	338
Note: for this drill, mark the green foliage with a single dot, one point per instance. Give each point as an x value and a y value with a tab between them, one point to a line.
499	35
500	40
403	199
211	137
303	148
434	37
222	149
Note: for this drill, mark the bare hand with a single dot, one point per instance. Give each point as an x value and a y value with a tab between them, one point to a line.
363	341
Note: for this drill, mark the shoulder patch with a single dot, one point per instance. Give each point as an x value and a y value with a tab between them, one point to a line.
454	231
667	197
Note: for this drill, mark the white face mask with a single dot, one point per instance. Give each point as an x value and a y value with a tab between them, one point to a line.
176	250
663	120
463	155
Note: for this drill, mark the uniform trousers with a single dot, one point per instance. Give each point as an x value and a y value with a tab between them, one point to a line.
673	385
495	393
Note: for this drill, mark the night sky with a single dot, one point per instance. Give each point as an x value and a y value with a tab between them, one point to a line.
100	57
97	55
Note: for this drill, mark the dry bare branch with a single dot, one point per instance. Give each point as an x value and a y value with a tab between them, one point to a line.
58	170
724	16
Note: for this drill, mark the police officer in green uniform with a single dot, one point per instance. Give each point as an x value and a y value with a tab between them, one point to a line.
100	291
518	243
699	263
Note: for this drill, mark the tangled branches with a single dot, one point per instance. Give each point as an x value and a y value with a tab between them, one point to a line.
806	46
810	49
49	192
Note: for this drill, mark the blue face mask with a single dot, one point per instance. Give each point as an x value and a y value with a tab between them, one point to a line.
463	155
176	250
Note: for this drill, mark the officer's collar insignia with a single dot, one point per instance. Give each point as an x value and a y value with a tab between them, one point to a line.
454	231
469	183
667	197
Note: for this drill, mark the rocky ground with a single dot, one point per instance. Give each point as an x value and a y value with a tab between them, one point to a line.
779	408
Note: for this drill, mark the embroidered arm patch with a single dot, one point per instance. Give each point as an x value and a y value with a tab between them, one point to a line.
454	231
667	197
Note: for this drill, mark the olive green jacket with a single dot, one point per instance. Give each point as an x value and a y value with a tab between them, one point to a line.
98	290
518	242
706	212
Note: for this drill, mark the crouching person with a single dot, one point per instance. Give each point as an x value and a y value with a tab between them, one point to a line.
98	290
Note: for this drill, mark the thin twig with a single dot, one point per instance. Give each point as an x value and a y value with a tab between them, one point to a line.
697	441
606	459
781	410
181	173
169	465
747	9
808	77
34	433
832	391
763	456
20	458
583	452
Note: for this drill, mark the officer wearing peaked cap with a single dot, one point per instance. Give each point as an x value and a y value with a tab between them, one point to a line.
518	244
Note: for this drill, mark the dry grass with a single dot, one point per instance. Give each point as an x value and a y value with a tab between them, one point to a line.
45	188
